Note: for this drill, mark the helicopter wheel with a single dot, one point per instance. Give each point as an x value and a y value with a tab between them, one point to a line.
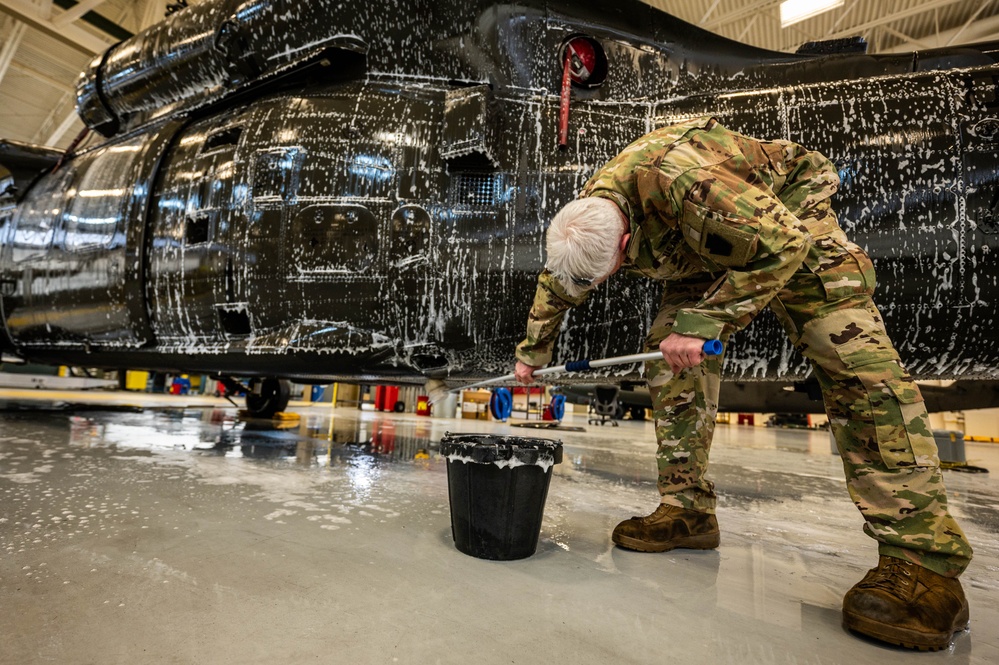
267	396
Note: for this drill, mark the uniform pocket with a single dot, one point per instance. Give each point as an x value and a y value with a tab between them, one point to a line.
896	407
724	239
843	267
874	366
915	420
862	349
885	394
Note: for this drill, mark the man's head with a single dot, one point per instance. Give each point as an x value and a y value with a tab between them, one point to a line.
586	242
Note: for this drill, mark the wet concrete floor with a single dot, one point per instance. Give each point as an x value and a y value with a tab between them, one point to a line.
184	535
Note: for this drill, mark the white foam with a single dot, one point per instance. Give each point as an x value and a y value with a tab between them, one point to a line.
511	463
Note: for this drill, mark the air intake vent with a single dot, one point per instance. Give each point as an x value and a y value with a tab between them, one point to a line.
474	190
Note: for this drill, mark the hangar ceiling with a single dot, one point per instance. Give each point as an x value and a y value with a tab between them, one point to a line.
45	44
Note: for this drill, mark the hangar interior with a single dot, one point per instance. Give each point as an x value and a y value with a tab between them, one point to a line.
146	518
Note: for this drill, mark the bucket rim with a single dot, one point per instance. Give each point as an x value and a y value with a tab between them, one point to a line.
486	448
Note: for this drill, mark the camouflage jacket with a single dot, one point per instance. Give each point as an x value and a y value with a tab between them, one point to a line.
702	200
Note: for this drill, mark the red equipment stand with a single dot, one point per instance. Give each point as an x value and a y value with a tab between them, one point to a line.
386	397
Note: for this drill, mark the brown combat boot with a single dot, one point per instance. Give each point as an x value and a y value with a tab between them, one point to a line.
905	604
667	528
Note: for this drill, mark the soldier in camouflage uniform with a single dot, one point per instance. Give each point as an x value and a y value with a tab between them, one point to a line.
731	225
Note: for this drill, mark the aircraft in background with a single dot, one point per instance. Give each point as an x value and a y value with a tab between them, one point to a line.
344	191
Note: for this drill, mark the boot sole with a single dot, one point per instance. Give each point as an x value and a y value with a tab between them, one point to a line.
708	541
902	637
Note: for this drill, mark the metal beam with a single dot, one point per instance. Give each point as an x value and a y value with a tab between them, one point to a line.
76	12
707	14
130	14
49	121
844	15
99	21
986	29
971	19
752	9
63	127
154	12
904	37
749	26
10	47
923	8
797	28
38	76
44	8
70	35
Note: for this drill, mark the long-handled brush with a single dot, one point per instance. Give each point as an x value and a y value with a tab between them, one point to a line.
436	390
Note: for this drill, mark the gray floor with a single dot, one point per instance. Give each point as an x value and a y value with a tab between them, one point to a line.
185	536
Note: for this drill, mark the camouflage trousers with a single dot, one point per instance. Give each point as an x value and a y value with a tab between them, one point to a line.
875	409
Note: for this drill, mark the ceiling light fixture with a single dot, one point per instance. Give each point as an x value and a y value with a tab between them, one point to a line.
794	11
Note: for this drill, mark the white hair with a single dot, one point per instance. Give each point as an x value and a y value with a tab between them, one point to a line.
582	242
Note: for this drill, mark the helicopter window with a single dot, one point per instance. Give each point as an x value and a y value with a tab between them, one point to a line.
276	175
6	219
225	138
410	230
98	205
94	228
196	230
336	239
8	190
34	226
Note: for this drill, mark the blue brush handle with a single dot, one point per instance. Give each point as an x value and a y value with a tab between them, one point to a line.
713	347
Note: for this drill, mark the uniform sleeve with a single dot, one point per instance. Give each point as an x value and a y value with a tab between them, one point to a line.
809	177
748	233
550	304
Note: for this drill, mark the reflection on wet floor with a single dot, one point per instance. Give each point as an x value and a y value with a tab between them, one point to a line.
141	528
309	440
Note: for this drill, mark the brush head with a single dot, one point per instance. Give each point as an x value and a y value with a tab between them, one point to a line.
436	390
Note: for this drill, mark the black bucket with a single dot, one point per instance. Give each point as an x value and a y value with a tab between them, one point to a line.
497	487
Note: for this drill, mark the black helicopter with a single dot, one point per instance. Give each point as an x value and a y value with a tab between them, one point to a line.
359	190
